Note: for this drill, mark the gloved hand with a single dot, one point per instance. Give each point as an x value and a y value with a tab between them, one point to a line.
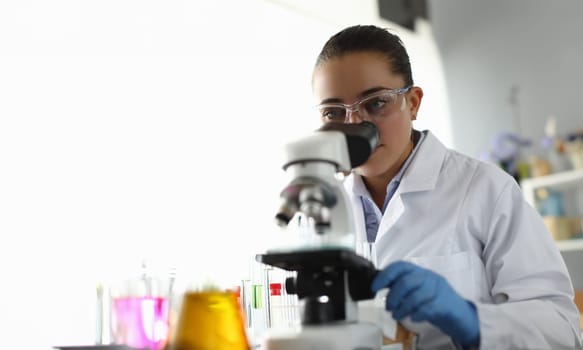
426	296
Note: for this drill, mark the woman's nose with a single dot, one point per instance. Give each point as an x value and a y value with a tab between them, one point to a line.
353	116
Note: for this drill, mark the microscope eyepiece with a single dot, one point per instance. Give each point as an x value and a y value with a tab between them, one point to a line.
361	138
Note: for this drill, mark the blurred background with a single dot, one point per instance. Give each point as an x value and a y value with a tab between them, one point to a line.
134	130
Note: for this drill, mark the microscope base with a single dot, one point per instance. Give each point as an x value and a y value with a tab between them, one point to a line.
346	336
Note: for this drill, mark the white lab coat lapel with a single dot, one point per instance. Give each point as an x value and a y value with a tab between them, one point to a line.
421	175
394	210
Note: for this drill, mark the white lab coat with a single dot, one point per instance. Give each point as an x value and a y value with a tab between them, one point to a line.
467	220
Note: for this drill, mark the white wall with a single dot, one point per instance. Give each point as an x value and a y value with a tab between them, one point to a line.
133	129
425	58
489	47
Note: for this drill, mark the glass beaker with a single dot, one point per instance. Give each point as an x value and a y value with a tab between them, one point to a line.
139	311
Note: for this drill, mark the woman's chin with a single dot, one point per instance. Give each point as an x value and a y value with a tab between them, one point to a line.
365	170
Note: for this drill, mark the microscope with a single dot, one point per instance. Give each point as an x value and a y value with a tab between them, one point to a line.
330	276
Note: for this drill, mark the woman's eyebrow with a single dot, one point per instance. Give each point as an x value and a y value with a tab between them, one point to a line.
331	100
372	90
361	95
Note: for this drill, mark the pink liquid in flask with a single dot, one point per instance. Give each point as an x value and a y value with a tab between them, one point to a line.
140	322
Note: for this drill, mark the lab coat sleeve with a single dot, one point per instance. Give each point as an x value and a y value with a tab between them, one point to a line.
531	288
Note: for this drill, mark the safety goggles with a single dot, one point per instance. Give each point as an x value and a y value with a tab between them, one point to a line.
373	107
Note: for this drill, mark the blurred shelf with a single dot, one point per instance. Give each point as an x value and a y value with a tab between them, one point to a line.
567	180
562	179
570	244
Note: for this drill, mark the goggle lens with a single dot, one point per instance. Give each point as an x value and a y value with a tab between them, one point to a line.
370	108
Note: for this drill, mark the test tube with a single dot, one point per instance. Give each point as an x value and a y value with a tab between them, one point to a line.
258	315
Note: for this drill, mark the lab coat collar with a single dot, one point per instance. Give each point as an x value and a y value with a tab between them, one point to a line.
356	186
422	174
424	169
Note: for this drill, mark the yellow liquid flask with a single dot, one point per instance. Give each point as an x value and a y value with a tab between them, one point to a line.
210	320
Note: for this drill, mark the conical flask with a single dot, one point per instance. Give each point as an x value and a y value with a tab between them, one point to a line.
210	320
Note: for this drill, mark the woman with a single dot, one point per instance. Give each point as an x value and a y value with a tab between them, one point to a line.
467	261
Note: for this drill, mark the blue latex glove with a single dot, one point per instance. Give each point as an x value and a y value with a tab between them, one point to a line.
426	296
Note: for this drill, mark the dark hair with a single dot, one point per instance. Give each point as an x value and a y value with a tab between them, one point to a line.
363	38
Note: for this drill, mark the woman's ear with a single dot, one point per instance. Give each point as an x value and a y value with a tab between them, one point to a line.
414	97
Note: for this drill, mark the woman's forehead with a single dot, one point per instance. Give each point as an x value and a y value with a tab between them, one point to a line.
347	76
